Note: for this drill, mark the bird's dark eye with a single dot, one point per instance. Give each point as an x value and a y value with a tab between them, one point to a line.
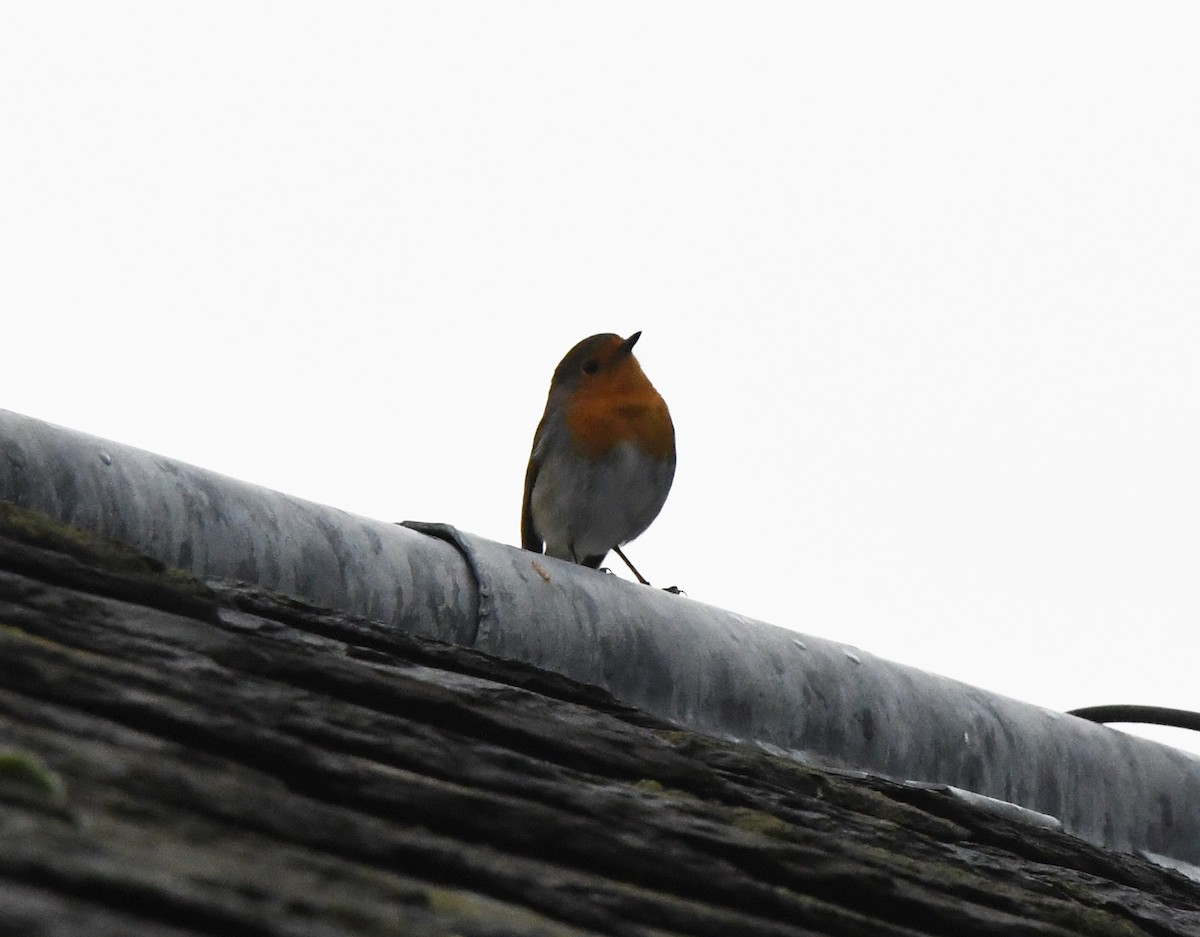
591	366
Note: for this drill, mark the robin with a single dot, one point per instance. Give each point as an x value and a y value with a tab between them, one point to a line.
603	456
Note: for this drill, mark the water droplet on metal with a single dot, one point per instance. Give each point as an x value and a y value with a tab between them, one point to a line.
105	457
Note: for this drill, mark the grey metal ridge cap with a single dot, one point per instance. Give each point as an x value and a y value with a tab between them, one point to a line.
219	527
682	660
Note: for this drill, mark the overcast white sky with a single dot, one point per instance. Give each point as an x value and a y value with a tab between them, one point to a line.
919	281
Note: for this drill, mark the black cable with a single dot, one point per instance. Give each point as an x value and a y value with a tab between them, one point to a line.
1150	715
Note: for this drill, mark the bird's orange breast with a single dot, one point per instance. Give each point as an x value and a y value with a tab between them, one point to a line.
616	407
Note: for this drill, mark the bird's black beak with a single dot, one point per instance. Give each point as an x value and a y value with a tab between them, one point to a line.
627	345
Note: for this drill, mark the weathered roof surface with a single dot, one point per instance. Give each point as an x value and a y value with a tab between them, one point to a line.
186	759
709	669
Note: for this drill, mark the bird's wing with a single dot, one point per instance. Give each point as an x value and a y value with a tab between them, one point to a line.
530	538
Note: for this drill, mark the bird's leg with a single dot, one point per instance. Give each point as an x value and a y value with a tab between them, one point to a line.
632	568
